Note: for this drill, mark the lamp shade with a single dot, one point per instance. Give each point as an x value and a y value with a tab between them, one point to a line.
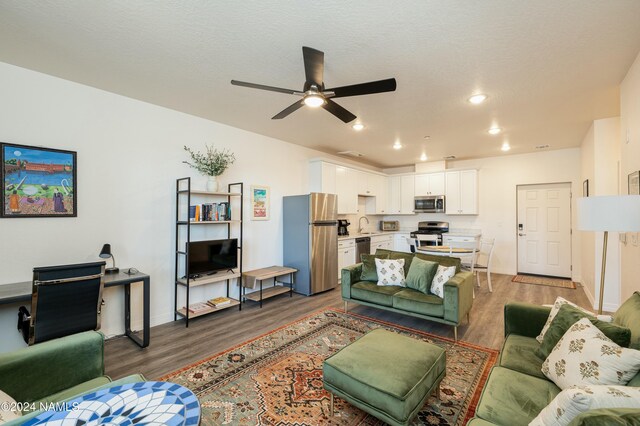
616	213
105	253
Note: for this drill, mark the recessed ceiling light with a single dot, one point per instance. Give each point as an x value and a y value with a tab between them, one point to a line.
505	146
313	101
478	99
397	145
423	157
358	126
494	130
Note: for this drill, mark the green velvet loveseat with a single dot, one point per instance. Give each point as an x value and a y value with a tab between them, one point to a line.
56	371
456	304
516	390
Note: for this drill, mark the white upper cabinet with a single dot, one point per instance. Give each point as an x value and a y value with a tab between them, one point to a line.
462	192
400	196
346	190
379	187
429	184
367	183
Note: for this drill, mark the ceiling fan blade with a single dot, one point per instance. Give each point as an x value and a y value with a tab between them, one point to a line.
388	85
288	110
313	67
263	87
338	111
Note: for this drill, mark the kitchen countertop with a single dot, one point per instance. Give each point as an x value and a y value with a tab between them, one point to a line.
475	233
372	234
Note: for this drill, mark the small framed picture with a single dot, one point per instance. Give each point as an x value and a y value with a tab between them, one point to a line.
634	183
37	182
260	209
585	188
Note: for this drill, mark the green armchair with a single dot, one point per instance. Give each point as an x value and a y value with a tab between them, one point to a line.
55	371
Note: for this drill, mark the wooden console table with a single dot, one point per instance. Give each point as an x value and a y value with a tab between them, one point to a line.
258	275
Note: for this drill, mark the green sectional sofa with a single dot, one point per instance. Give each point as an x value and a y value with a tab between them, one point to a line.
456	304
516	390
56	371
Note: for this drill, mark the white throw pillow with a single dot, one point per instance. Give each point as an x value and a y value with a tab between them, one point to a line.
8	408
390	272
443	274
585	356
570	403
554	311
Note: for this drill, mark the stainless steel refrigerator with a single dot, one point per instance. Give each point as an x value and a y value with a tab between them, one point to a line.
311	241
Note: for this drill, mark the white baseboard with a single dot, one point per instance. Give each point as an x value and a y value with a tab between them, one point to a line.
592	299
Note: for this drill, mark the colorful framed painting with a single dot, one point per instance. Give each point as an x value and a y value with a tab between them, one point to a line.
260	209
37	182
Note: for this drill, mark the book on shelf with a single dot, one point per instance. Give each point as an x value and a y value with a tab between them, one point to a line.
219	301
196	308
210	212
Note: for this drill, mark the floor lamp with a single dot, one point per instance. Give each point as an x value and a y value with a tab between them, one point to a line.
616	213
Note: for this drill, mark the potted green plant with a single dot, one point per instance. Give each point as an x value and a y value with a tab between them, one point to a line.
212	164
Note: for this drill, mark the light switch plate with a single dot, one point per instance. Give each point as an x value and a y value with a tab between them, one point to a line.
634	238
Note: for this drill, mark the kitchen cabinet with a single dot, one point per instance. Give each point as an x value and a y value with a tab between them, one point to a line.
461	192
429	184
367	183
322	177
346	254
401	243
346	190
377	204
381	242
400	194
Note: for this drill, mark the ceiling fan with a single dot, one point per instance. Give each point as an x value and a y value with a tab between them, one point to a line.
314	93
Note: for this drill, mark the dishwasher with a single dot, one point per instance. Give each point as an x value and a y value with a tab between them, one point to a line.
363	246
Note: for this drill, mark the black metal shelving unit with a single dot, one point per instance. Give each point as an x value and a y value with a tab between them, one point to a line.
183	224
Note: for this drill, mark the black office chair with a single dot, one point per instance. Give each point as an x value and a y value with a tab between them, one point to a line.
65	300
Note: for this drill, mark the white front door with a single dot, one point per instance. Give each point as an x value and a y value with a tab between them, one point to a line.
544	229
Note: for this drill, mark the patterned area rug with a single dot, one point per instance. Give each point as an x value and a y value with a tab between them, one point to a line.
537	280
276	379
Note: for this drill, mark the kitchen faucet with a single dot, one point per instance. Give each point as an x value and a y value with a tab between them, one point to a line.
360	228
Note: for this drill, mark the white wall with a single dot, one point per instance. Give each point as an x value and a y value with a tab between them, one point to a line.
129	156
498	178
588	242
630	162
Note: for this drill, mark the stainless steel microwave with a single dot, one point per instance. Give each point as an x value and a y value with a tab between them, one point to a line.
429	204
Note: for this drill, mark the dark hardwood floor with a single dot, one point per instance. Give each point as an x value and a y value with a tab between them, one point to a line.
173	346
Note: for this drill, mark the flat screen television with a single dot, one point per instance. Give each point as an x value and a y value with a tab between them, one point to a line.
206	257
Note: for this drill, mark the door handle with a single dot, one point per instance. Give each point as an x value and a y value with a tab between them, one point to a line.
521	234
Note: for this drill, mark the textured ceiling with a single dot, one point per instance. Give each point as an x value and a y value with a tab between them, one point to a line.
549	67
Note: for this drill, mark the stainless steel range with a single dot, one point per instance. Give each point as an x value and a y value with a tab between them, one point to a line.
432	228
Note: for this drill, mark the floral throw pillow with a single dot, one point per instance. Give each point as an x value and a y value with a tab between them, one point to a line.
585	356
390	272
443	274
554	311
572	402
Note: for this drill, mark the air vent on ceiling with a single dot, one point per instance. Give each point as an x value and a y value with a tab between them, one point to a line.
449	157
542	146
351	153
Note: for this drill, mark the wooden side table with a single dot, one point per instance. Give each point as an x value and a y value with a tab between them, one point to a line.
250	278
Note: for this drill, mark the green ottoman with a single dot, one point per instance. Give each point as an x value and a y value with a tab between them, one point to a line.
388	375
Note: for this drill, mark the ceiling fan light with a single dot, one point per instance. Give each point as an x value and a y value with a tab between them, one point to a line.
358	126
313	101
